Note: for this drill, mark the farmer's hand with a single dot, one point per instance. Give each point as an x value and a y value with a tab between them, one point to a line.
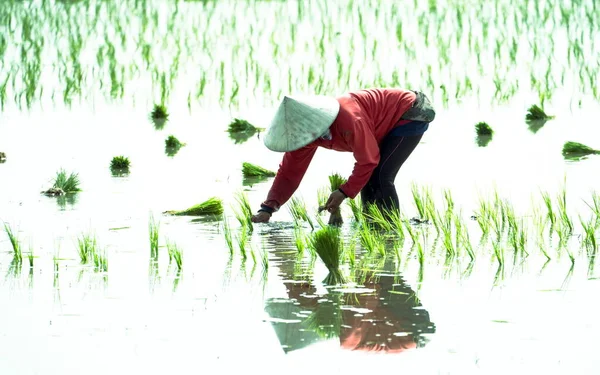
335	200
261	217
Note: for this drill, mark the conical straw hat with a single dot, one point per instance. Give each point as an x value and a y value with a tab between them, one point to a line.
299	121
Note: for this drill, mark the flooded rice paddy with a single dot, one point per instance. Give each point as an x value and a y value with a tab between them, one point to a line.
78	81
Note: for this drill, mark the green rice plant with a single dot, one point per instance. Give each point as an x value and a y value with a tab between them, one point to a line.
175	254
228	236
86	248
30	257
411	232
483	129
100	261
119	163
575	150
212	206
420	200
462	235
562	210
244	213
242	126
498	252
371	240
153	229
251	170
335	181
350	250
297	209
355	207
159	112
397	223
15	243
540	221
551	215
535	113
447	231
264	260
173	143
242	240
589	241
68	184
299	240
595	207
377	217
327	243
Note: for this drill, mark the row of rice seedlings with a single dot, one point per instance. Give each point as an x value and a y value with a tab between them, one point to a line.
540	221
422	200
447	229
297	209
244	212
327	243
153	233
562	211
535	113
252	170
211	207
242	241
175	254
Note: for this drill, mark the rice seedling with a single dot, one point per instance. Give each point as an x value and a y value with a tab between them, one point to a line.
419	200
326	242
86	248
576	151
297	209
212	206
244	213
498	252
371	240
448	240
228	236
242	240
595	207
397	223
251	170
100	261
551	215
535	113
299	240
175	255
483	129
64	183
172	143
355	207
562	211
15	243
119	164
589	241
153	229
377	217
159	112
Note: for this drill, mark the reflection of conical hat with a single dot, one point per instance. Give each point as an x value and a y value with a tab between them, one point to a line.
299	121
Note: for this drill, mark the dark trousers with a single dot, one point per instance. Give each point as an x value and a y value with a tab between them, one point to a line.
394	150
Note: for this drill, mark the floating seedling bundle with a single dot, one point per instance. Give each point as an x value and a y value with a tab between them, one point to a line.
327	243
251	170
213	206
159	116
536	118
119	165
484	134
64	184
575	150
241	130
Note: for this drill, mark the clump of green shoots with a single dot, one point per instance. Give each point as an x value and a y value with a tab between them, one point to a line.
251	170
175	254
173	143
377	217
355	207
241	130
86	248
423	201
64	183
159	112
335	181
327	243
535	113
119	164
589	241
297	209
244	214
227	235
242	240
153	229
575	150
15	243
371	239
299	240
562	211
212	206
100	261
462	237
483	129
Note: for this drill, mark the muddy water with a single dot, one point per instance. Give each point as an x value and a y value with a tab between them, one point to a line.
143	317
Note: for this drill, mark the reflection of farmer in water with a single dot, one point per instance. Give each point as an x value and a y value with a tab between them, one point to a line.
381	127
383	316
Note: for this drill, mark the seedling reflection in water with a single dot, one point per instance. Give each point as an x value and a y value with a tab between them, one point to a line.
175	254
153	228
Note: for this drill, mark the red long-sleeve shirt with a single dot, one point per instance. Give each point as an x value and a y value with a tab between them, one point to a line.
365	118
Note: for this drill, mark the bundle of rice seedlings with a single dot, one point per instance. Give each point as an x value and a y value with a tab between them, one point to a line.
213	206
159	112
173	143
119	162
575	150
241	130
535	113
14	241
64	184
483	129
251	170
355	206
327	243
335	181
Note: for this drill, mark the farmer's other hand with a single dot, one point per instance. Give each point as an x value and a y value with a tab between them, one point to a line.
335	200
261	217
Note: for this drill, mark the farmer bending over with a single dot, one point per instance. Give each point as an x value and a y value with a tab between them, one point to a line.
380	126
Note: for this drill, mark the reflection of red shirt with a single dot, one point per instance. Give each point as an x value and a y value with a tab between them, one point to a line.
365	118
